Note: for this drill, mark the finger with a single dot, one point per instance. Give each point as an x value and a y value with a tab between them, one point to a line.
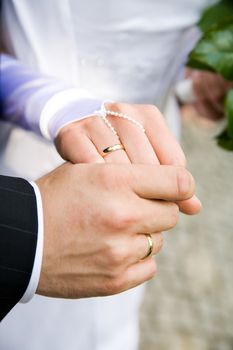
129	249
170	182
169	152
102	137
76	147
163	142
190	206
155	216
135	141
136	274
162	182
144	245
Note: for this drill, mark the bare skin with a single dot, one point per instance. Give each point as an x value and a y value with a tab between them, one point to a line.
95	217
83	141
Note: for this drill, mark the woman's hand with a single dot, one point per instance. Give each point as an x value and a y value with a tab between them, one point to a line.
84	141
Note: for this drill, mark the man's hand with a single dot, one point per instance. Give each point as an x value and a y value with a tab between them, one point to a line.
95	218
83	141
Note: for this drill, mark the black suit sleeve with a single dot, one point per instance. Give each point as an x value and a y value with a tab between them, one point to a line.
18	239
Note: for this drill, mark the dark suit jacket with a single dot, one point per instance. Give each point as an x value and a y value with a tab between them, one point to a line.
18	238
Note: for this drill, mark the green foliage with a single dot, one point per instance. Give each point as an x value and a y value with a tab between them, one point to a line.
225	139
218	13
214	52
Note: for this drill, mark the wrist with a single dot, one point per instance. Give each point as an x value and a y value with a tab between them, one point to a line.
64	108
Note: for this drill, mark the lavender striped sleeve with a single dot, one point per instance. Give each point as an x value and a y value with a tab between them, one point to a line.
41	103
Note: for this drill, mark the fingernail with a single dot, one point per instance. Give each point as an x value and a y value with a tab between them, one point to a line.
197	200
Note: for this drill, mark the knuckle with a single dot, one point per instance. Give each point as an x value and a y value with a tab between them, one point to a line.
128	219
115	106
116	253
88	124
66	130
123	218
109	218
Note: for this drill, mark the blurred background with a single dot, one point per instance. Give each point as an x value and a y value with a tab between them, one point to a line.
189	304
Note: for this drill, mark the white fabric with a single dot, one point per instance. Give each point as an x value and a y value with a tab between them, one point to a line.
87	42
126	50
56	103
34	280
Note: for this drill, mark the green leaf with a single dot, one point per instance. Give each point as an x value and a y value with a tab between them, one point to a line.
197	64
229	112
225	141
214	51
215	14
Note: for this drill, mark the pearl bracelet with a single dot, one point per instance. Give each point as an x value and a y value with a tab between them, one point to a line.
103	113
127	117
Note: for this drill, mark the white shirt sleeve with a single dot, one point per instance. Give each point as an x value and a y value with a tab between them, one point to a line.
34	280
41	103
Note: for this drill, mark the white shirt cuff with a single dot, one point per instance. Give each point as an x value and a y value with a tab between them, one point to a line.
56	103
34	280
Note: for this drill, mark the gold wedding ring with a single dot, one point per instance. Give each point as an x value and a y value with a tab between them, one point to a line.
113	148
150	245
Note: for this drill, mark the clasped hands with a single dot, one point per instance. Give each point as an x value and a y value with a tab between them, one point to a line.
96	215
